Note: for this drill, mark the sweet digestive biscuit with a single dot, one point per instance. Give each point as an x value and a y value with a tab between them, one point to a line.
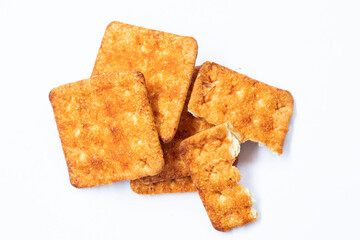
178	185
166	60
107	129
258	112
210	155
188	126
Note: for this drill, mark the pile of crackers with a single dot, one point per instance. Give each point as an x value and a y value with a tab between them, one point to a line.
148	115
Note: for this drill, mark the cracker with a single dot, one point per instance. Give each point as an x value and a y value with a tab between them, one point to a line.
107	129
209	156
178	185
258	112
166	60
188	126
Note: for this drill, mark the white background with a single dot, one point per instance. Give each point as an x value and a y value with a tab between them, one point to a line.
310	48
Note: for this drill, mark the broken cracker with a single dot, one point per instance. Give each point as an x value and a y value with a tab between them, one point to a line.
188	126
178	185
107	129
258	112
166	60
210	155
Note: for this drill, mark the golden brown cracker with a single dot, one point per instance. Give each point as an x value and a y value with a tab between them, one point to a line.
107	129
166	60
188	126
210	155
258	112
178	185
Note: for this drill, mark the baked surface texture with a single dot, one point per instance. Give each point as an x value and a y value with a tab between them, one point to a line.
210	155
107	129
166	60
178	185
188	126
258	112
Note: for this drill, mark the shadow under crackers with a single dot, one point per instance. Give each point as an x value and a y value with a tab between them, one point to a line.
247	157
245	161
290	133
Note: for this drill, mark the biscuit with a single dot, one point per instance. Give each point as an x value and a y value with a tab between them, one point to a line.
178	185
209	156
166	60
258	112
188	126
107	129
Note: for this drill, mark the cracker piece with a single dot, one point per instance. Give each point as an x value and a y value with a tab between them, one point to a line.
188	126
166	60
258	112
178	185
210	155
107	129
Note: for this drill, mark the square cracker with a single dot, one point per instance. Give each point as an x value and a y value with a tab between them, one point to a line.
188	126
209	156
166	60
258	112
107	129
178	185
